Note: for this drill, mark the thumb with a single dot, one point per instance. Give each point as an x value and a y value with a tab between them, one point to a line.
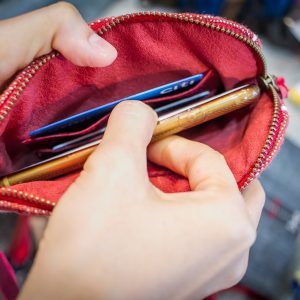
76	41
204	167
58	26
123	149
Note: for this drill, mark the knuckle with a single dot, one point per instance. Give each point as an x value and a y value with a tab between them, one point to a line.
240	231
65	8
249	235
219	156
216	155
218	184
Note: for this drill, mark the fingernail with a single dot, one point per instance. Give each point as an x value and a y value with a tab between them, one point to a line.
138	108
107	51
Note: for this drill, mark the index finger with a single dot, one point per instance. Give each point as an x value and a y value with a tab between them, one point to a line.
204	167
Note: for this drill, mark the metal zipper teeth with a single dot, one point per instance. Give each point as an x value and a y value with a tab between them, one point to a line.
13	94
9	206
279	140
30	198
273	141
20	84
205	21
226	22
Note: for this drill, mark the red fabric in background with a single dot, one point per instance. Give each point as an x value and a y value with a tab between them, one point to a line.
8	284
21	245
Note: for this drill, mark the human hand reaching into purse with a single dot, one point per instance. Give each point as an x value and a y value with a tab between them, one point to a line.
113	235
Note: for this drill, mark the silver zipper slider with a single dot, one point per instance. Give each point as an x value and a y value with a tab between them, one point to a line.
270	81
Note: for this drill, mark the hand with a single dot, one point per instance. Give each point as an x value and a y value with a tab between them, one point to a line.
57	26
113	235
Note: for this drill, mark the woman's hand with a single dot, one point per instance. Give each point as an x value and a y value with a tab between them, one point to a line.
113	235
58	26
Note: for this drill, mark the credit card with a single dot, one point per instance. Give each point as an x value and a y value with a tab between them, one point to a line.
173	87
162	109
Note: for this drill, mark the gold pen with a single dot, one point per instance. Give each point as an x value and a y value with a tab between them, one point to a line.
168	124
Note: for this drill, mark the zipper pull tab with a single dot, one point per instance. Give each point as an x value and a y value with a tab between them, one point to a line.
270	81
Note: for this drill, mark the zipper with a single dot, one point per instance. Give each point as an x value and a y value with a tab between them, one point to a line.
38	204
21	208
20	83
274	138
219	24
241	33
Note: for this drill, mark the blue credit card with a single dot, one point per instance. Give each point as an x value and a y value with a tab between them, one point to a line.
173	87
159	110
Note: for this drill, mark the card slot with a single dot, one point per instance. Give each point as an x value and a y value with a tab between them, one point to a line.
210	82
92	101
51	140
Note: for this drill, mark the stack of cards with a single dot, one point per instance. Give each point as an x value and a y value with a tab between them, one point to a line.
84	119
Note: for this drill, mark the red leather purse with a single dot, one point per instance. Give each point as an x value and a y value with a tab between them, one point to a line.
153	48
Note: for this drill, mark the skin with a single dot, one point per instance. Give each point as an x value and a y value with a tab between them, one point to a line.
114	235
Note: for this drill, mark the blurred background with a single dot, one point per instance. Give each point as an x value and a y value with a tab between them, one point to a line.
274	268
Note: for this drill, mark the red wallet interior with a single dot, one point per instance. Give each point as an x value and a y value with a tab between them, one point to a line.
151	51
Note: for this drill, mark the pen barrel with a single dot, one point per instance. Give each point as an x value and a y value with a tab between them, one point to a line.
49	170
205	112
